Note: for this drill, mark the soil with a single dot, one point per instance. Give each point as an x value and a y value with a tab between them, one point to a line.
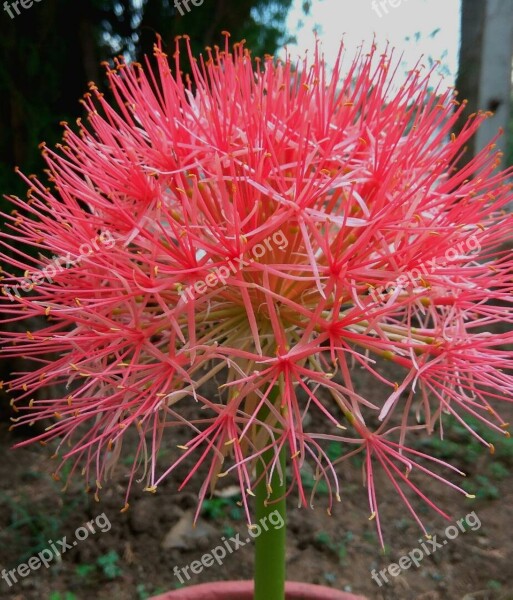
136	557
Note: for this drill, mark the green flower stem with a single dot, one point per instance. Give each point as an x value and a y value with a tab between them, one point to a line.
270	544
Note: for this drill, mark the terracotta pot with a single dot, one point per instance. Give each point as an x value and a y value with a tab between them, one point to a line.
243	590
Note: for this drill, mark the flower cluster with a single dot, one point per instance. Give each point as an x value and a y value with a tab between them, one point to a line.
190	172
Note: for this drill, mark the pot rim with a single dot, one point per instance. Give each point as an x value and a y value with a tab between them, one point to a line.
243	590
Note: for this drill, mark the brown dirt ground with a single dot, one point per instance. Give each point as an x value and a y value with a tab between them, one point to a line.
338	551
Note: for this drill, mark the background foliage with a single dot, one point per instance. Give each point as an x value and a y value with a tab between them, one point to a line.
49	52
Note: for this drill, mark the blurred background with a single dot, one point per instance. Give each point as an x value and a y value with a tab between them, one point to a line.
49	51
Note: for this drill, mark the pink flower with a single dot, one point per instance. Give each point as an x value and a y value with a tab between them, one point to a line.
271	227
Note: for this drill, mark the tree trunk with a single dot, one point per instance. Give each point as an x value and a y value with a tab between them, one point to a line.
484	73
473	14
495	79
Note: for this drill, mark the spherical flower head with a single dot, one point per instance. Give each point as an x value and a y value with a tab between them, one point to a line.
262	226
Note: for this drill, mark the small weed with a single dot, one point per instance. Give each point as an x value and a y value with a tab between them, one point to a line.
493	584
339	548
228	531
84	571
108	563
460	448
309	483
32	523
459	444
143	593
216	508
483	488
370	536
334	451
